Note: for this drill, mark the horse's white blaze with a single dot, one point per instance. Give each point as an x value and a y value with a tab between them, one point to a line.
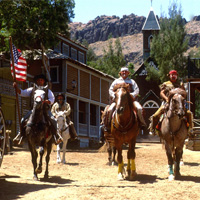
119	99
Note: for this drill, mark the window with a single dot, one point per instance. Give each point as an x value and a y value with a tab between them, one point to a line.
149	41
92	115
73	53
54	73
81	57
57	48
65	49
150	104
82	112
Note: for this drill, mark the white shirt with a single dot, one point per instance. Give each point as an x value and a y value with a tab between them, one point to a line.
27	93
129	81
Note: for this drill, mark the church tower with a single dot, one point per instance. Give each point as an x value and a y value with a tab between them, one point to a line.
149	29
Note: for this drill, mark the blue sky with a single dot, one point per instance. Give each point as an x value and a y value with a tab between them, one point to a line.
86	10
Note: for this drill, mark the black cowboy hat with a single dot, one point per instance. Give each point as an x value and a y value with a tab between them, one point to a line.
42	76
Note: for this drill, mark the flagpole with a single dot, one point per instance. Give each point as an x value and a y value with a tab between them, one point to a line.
14	79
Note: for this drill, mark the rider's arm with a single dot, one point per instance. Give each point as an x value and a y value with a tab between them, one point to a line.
111	92
135	89
23	93
163	96
51	97
53	111
67	109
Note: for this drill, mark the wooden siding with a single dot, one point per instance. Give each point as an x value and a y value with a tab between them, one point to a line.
84	84
105	91
95	88
72	74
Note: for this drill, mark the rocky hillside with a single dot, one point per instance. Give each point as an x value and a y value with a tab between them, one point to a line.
128	30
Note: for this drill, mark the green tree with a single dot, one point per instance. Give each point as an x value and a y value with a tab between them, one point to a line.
169	45
31	23
112	60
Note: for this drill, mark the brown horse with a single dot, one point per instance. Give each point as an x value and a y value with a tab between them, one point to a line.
109	141
124	128
174	130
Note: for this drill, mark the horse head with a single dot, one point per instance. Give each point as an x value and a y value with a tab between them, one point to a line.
122	97
39	95
176	102
61	120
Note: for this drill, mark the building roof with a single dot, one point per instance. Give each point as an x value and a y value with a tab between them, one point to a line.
151	22
51	54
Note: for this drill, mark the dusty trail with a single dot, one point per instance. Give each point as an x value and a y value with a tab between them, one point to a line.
86	176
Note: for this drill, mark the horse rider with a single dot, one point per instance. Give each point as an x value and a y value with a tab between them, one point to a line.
164	93
40	81
134	91
61	105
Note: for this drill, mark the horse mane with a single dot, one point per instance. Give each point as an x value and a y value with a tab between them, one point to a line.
127	87
180	91
121	85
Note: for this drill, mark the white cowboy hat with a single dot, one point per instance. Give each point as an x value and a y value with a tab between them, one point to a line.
124	69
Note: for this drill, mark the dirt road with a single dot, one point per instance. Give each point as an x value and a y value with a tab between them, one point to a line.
86	176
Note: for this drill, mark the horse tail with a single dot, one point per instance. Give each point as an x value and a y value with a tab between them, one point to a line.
103	148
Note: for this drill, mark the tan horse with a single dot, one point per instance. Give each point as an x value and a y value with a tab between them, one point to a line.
174	130
124	128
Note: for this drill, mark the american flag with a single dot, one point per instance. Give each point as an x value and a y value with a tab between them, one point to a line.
20	64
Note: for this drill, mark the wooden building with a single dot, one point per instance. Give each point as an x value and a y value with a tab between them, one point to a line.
149	91
85	88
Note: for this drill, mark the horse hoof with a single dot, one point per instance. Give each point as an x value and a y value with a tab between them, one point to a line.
58	161
38	170
171	177
120	177
132	176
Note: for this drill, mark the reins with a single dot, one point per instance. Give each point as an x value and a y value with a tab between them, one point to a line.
124	131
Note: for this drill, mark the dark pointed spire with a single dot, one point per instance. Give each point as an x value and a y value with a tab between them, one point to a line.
151	22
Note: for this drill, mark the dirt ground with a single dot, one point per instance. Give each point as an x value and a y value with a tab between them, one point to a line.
86	176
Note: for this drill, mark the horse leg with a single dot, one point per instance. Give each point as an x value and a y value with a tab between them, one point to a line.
120	164
131	169
114	154
64	151
39	168
178	157
58	154
34	160
49	147
109	150
170	162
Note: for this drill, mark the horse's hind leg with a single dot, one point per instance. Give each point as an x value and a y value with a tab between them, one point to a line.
114	151
109	150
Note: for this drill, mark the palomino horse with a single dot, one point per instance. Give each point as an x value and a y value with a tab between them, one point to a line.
174	130
63	129
124	128
38	132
